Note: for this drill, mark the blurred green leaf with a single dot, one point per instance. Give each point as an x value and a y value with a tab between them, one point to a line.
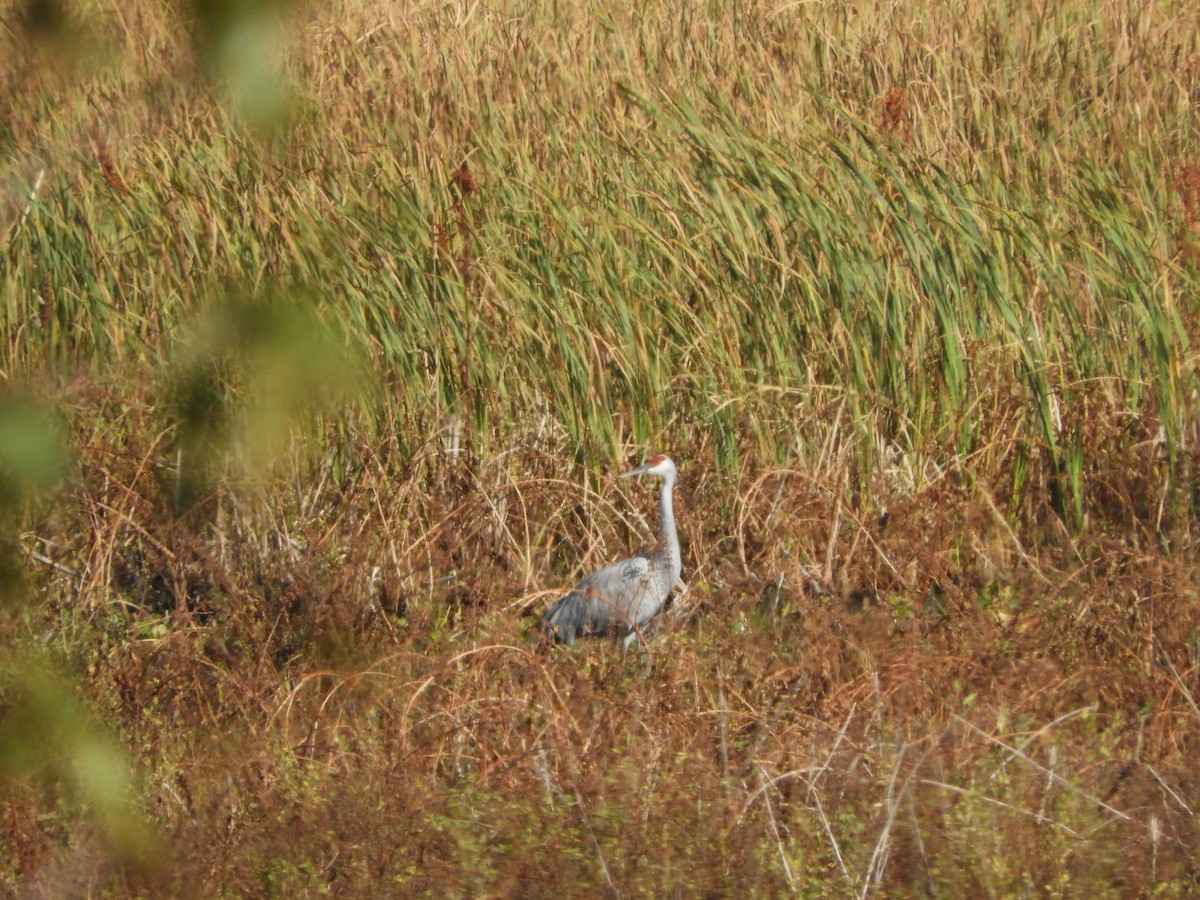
243	45
253	374
49	740
32	456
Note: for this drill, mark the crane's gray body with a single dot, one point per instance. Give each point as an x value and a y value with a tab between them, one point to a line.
625	595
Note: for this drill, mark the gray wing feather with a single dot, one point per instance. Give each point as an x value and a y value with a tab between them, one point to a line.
619	595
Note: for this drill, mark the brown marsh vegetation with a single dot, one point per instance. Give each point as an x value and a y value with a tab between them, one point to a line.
326	331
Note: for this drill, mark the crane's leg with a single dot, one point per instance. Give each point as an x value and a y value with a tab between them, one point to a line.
630	638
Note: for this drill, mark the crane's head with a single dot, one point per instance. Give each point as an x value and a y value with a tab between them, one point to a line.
657	465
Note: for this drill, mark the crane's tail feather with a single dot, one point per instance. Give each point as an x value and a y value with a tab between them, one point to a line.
566	619
577	615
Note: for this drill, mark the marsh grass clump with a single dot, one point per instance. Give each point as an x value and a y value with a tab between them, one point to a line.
319	391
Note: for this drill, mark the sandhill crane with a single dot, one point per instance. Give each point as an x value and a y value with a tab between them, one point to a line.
625	595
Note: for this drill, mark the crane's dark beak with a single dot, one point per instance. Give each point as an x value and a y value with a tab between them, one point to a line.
640	470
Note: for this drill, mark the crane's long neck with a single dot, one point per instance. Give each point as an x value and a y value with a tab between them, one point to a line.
666	526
